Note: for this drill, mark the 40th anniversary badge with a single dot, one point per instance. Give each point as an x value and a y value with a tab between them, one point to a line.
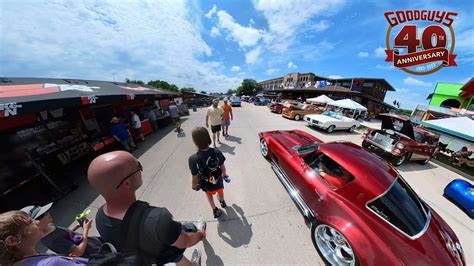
423	40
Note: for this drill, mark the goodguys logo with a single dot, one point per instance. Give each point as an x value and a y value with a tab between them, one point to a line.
428	54
9	109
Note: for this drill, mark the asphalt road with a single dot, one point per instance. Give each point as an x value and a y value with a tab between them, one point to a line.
261	225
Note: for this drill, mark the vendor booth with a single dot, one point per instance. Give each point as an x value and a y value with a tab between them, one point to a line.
49	125
351	108
322	99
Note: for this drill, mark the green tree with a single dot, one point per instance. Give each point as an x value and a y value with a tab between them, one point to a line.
139	82
203	92
249	87
187	90
230	92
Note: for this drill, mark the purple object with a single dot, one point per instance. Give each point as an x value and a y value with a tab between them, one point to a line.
76	238
227	178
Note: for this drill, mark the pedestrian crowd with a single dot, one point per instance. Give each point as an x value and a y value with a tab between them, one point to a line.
131	231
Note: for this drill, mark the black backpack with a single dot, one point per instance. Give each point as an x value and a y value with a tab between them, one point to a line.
210	168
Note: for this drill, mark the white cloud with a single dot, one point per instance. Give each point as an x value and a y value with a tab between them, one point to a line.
211	12
363	54
414	82
244	36
253	56
215	32
379	52
321	26
334	77
271	71
402	90
241	74
291	65
286	18
385	67
235	69
123	41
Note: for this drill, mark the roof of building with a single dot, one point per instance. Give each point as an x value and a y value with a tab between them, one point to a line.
468	89
445	88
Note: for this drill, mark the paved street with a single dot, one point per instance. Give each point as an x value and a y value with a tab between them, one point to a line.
262	225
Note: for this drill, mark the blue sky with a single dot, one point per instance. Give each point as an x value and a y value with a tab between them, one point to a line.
213	45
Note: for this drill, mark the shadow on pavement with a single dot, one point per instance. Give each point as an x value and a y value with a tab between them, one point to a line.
413	166
224	148
234	139
212	258
234	230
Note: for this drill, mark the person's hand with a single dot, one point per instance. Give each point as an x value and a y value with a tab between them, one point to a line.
87	225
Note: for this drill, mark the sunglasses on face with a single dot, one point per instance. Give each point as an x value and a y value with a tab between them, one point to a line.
139	168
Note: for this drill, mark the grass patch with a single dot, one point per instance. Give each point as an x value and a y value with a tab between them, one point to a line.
469	171
362	128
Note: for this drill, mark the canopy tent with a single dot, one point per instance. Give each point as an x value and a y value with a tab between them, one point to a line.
320	99
27	95
348	104
461	127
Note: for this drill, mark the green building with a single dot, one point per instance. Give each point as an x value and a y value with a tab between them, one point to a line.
447	95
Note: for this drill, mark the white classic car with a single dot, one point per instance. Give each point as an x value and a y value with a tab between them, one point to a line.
331	121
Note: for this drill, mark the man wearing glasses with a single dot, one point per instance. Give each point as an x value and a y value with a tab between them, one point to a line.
116	176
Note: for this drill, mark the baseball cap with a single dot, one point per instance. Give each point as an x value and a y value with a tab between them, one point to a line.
115	120
225	99
35	211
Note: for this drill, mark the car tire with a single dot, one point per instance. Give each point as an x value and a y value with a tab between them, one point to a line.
330	128
397	161
279	111
297	117
351	129
424	161
324	236
264	148
365	144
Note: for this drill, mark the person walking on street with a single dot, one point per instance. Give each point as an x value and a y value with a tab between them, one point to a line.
208	169
121	134
174	112
129	224
137	125
152	118
216	115
227	117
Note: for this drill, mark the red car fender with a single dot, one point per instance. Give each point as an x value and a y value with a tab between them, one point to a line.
369	250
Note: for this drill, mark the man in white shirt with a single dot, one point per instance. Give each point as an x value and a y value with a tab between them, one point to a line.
216	114
137	125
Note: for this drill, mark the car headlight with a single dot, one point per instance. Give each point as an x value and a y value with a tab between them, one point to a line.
400	146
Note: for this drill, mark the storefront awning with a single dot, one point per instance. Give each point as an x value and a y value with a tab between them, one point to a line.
462	127
26	95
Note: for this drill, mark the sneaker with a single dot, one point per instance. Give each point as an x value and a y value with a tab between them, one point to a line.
217	212
227	178
223	204
196	257
201	224
219	141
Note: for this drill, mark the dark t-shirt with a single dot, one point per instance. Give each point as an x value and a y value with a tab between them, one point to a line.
155	237
211	159
120	131
60	241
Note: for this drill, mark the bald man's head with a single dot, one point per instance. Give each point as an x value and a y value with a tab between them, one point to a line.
107	171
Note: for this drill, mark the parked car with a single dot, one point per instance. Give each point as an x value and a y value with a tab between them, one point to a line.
398	141
331	121
461	192
297	112
235	101
361	210
261	101
276	107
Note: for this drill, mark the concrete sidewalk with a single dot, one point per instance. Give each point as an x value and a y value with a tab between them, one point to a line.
261	224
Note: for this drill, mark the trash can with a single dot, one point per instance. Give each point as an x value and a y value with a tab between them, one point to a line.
194	107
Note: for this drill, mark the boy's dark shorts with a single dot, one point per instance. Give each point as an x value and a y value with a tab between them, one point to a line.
138	130
215	129
176	119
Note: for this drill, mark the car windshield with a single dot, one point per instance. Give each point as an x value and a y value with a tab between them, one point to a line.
401	207
333	115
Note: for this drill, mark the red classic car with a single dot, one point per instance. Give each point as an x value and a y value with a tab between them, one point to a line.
276	107
399	141
362	212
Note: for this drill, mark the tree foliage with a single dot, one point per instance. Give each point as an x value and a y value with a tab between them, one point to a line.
249	87
139	82
203	92
163	85
187	90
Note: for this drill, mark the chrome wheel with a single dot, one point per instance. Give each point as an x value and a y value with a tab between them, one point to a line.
333	246
397	161
351	129
331	129
264	148
297	117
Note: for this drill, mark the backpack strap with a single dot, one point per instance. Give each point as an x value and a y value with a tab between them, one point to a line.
202	166
131	224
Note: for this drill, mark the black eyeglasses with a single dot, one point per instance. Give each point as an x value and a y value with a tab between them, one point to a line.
139	168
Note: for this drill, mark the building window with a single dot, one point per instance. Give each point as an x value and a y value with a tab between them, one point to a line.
369	84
